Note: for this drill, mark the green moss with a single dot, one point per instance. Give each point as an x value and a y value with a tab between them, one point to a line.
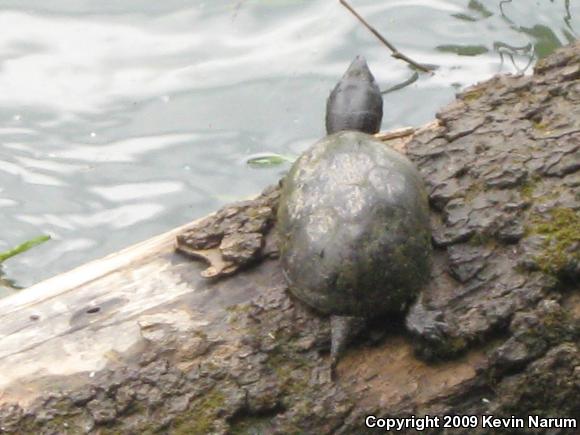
561	234
201	415
62	424
536	394
452	347
472	191
111	431
482	239
555	327
472	95
527	190
442	350
251	424
237	312
291	370
283	365
238	308
541	126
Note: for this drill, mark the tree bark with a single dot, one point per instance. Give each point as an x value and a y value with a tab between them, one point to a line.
139	343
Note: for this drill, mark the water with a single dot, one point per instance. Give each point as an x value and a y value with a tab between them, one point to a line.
122	119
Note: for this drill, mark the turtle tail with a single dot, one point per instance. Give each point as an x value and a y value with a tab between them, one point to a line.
342	330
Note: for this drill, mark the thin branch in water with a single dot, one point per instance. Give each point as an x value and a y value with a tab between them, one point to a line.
568	16
509	50
414	77
501	3
237	7
8	283
396	53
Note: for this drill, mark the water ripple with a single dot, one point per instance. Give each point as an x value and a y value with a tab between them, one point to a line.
137	116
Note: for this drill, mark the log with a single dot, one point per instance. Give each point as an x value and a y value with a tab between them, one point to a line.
139	343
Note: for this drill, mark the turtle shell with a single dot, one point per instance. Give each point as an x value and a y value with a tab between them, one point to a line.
354	230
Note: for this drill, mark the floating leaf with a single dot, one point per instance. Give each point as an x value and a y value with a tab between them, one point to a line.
546	40
23	247
463	50
474	5
278	2
7	284
464	17
268	160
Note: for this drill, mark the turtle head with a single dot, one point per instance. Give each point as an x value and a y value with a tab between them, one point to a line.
359	70
356	102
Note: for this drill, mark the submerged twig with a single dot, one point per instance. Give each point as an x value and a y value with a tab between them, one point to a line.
414	77
568	16
8	283
503	49
501	3
396	53
237	8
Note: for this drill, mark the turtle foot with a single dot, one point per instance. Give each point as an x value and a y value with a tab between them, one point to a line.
427	323
434	337
234	237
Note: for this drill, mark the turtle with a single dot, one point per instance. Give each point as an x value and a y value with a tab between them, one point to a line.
353	217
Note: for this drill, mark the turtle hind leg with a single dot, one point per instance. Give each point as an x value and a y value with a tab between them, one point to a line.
342	330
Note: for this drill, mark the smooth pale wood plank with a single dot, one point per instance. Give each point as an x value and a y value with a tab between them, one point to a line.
68	281
46	329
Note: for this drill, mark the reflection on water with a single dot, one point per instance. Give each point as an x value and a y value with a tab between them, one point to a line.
120	120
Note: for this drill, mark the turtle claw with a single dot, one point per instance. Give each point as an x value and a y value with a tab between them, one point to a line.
427	323
333	376
232	238
217	266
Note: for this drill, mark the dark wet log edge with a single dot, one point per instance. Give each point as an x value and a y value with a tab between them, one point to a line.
238	355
